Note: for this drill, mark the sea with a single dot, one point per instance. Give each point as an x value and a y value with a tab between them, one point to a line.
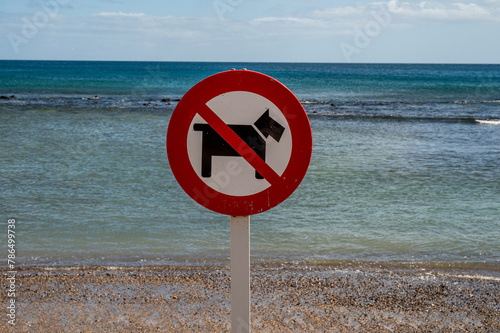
405	168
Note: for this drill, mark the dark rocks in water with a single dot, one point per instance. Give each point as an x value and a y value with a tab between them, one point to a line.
8	98
166	100
91	98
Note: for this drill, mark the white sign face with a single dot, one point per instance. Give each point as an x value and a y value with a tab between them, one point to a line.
259	123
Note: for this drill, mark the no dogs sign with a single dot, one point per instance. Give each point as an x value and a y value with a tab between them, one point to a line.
239	142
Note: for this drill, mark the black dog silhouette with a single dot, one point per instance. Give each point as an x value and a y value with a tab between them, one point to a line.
214	145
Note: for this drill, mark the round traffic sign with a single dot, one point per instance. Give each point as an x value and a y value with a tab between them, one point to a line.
239	142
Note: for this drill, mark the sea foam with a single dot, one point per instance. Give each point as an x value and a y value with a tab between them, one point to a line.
488	122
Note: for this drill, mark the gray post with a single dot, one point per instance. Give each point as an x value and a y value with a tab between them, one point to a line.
240	274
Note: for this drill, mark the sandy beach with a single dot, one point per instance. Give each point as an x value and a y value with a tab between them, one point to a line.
285	298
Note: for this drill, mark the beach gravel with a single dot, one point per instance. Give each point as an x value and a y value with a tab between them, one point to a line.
285	298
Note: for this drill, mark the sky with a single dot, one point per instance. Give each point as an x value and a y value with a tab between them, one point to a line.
392	31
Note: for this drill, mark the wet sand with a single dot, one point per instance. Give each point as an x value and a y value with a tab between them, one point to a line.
284	299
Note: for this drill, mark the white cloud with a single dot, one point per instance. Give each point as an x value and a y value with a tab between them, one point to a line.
280	19
437	11
287	21
340	20
348	11
107	14
486	10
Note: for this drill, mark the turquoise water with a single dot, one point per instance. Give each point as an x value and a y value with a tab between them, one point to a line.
405	165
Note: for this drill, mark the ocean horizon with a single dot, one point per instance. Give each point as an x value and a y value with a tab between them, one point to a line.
405	167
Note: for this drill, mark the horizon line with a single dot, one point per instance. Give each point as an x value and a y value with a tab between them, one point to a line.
263	62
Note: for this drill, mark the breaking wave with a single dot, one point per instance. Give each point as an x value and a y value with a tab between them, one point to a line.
488	122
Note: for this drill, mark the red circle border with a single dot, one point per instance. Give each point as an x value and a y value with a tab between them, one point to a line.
199	95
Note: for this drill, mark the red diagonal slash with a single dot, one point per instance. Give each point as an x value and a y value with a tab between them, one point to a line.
239	145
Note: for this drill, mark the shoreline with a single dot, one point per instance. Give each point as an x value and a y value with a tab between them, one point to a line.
285	298
477	269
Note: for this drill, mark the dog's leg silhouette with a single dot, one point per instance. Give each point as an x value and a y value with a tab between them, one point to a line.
212	145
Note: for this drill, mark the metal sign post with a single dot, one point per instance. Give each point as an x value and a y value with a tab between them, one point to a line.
240	274
239	143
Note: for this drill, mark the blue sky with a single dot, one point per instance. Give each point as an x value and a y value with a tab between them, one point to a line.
443	31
